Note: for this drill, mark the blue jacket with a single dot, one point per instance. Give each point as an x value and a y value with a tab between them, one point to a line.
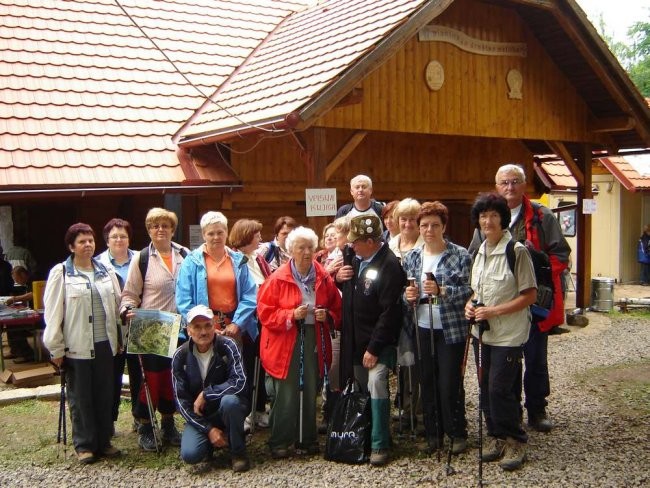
225	376
192	289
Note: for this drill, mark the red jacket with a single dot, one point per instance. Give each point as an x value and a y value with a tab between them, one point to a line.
555	245
277	298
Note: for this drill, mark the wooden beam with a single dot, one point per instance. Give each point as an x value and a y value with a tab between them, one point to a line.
612	124
563	153
583	259
343	154
543	4
355	96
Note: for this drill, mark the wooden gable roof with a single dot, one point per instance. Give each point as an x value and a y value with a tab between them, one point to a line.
310	62
88	101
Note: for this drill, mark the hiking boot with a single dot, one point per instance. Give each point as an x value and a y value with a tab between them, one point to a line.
379	457
514	455
279	453
111	451
146	438
240	464
458	445
170	434
539	422
434	444
493	448
86	457
308	449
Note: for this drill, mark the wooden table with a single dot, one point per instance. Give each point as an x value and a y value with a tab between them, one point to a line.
31	319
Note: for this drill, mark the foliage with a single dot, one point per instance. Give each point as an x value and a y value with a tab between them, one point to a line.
634	56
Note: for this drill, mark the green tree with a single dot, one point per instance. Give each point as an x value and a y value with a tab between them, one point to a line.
639	56
634	55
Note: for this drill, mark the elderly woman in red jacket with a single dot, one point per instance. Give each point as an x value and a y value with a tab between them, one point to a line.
297	306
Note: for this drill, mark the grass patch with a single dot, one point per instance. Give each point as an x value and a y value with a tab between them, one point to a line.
624	387
641	313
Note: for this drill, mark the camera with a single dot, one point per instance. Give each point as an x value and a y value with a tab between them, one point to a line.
483	325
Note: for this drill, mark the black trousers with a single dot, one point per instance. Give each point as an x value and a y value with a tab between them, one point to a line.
90	396
501	366
135	380
536	383
442	390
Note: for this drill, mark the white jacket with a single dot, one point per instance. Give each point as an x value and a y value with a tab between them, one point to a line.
68	310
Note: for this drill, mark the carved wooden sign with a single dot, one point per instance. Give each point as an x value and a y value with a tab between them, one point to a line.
461	40
434	75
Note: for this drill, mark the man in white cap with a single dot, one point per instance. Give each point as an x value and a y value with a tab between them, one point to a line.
209	387
372	286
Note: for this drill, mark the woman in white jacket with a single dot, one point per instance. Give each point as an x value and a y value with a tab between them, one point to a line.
81	332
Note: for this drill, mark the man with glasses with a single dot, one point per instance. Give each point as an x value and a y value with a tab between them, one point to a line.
537	224
372	322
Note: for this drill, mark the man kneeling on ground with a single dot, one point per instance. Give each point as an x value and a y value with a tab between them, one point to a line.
209	386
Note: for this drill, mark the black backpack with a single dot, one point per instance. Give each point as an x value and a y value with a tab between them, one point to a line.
543	276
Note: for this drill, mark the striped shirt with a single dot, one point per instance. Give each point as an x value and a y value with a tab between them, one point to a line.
159	285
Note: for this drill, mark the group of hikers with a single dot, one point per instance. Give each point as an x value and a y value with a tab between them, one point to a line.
276	325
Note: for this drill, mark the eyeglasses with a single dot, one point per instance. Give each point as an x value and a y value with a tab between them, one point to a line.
160	226
435	226
118	237
507	183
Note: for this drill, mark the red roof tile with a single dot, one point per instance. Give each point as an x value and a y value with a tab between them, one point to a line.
309	50
86	99
626	174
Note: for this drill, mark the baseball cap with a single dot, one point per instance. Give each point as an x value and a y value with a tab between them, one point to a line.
199	311
364	227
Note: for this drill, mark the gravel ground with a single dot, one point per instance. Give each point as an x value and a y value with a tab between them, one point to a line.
591	444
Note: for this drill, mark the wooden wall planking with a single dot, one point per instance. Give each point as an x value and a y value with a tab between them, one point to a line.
474	98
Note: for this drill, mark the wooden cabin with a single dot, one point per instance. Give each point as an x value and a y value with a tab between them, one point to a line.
426	97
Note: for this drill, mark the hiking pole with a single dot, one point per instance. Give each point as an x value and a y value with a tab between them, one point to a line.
419	359
301	376
256	378
400	394
326	378
449	468
63	431
152	414
434	358
483	325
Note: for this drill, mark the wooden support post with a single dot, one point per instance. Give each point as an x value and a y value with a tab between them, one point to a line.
583	262
314	156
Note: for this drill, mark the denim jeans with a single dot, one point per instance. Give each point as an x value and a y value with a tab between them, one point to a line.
196	446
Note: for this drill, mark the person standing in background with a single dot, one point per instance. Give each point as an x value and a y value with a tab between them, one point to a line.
643	253
117	236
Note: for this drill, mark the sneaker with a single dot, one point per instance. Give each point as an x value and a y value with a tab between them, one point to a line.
146	438
86	457
240	464
458	445
279	453
539	422
111	451
248	424
379	457
170	434
514	455
262	419
493	449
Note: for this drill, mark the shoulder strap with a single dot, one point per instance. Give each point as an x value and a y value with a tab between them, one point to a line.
510	256
270	252
143	262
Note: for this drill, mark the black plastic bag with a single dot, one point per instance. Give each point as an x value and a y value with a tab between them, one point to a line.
349	428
